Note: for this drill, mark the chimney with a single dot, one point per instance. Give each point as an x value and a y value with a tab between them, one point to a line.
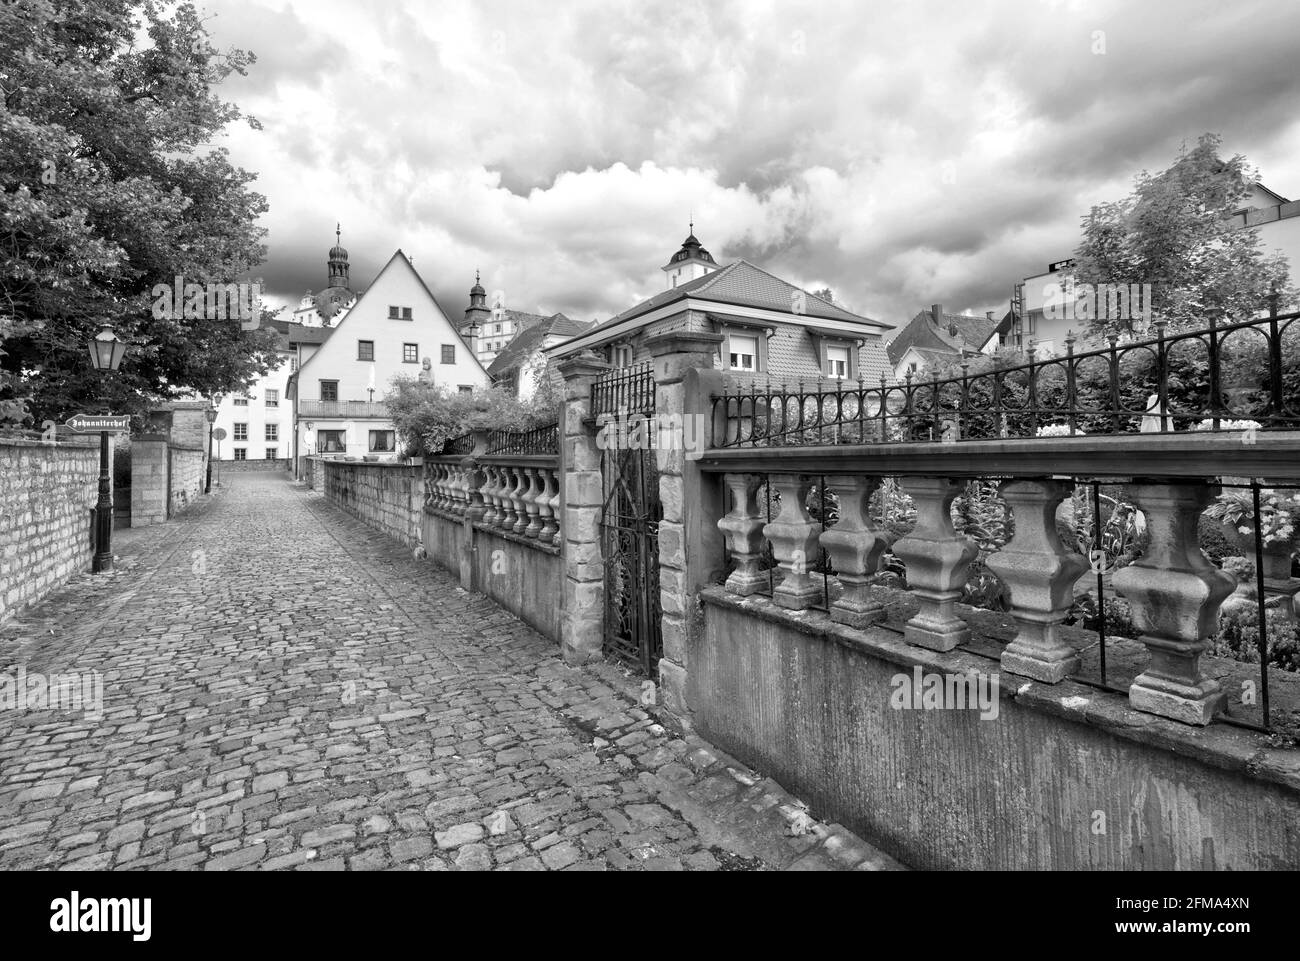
988	314
937	311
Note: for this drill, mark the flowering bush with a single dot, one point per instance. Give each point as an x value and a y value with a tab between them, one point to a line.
1278	514
1059	430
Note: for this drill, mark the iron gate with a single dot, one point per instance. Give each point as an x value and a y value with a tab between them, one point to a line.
630	546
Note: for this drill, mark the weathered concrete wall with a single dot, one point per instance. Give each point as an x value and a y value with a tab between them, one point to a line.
188	473
809	702
521	578
47	500
388	497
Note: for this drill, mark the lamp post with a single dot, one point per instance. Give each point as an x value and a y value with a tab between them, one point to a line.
106	353
211	414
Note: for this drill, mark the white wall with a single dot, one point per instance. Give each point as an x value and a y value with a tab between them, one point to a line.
257	415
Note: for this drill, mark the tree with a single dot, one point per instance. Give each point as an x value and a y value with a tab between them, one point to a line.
108	187
1174	232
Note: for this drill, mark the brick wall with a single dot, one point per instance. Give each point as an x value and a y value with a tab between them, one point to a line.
47	496
388	497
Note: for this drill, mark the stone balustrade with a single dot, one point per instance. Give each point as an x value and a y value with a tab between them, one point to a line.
1174	591
521	499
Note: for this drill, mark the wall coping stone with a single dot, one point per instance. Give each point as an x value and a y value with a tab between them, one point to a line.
1219	745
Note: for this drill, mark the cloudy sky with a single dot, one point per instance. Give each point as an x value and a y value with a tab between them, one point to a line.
901	153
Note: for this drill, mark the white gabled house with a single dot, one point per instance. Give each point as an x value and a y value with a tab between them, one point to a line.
342	381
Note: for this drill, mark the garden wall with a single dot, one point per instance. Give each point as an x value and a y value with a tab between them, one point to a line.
386	496
48	494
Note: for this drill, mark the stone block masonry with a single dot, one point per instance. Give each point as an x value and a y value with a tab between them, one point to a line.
188	472
387	496
47	500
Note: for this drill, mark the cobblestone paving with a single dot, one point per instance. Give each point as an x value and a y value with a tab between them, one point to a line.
286	689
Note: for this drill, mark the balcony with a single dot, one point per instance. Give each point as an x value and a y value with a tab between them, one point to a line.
352	409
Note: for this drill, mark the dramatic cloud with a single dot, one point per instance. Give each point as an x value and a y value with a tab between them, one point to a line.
899	153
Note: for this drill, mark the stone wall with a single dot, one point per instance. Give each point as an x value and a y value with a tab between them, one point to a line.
188	474
47	500
1064	777
148	479
386	496
250	466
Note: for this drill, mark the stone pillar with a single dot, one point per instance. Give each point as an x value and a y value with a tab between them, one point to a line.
855	546
582	626
1175	594
690	543
743	529
1040	574
938	560
149	479
793	534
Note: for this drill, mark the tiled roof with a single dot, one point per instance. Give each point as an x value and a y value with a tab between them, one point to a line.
524	343
742	284
921	332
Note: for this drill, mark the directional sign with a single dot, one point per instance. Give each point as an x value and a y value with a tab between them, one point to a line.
219	433
96	423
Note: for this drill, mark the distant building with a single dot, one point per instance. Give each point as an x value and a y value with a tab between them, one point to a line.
934	339
772	330
518	367
396	327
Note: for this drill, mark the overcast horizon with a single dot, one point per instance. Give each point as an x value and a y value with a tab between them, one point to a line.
900	154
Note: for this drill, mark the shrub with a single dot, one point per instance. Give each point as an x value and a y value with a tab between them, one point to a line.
426	416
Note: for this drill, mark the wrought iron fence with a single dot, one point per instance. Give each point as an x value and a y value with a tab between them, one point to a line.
1242	376
459	446
628	390
1107	535
541	440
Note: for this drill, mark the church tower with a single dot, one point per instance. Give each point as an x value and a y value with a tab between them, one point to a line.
338	262
476	316
690	262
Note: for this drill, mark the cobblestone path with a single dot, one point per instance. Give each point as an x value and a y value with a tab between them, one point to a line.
285	688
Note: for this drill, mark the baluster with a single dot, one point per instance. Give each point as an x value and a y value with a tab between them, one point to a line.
534	525
489	497
938	560
1039	573
855	546
557	507
793	534
742	528
546	506
519	493
474	507
1175	594
508	516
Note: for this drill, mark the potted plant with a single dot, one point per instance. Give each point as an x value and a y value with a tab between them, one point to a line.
1278	530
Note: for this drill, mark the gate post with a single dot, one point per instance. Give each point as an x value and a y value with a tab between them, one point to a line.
582	624
690	543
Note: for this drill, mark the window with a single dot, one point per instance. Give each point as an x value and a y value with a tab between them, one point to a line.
272	398
837	362
466	389
911	368
331	442
329	390
410	353
272	453
241	453
241	432
406	313
449	353
394	312
621	356
742	352
365	350
498	330
241	400
272	432
383	441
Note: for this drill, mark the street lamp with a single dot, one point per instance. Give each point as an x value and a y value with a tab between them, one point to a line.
211	414
106	353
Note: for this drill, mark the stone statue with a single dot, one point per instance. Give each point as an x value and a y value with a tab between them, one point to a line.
426	373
